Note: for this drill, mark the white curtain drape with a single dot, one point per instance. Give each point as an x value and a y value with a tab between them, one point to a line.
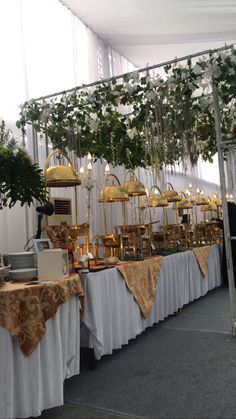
46	49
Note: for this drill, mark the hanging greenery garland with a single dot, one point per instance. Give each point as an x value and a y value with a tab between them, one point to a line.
142	120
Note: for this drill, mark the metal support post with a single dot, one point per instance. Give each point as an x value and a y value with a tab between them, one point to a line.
227	237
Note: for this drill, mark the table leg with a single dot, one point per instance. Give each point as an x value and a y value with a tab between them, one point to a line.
93	362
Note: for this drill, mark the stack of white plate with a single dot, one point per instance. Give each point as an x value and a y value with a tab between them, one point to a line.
22	266
24	260
23	274
3	273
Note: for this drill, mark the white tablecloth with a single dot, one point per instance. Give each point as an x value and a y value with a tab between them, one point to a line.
111	317
30	384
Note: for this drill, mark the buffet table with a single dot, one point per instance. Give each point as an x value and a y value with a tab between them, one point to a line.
111	316
32	378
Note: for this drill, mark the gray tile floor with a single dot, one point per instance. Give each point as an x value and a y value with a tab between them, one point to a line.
184	367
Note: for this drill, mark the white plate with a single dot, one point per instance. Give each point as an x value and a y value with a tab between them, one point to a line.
20	254
22	264
22	274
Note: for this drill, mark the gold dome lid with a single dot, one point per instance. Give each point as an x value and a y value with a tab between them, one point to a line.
200	199
60	176
77	230
183	204
134	188
216	200
157	200
210	207
171	195
113	193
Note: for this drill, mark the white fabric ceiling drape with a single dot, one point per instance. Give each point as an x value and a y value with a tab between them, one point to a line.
44	49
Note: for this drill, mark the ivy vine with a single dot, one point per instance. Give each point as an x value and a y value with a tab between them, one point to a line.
142	120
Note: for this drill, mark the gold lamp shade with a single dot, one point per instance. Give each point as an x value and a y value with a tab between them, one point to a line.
171	195
60	176
209	207
133	186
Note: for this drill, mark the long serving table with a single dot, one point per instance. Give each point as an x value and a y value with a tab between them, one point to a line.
111	316
31	383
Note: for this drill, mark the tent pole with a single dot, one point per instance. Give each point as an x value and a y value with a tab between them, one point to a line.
139	70
227	236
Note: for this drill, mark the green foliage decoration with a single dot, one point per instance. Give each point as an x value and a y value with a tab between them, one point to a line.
142	120
20	179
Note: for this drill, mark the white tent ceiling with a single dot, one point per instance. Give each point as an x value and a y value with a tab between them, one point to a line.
150	31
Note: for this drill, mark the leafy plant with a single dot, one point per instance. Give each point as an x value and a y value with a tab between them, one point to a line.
20	179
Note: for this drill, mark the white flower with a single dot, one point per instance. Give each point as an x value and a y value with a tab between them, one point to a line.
117	100
197	69
171	82
87	119
132	132
211	107
200	146
94	125
184	76
135	75
156	82
90	98
46	113
85	257
104	110
233	58
115	93
150	94
204	85
209	72
231	103
203	101
130	88
223	55
213	70
216	70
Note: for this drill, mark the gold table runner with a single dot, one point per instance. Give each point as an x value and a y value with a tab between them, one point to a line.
141	279
24	309
202	254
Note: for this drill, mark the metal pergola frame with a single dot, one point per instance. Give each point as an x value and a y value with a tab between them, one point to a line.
220	149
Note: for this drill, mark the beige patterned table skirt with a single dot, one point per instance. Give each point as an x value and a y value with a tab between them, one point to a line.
24	309
202	254
141	279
